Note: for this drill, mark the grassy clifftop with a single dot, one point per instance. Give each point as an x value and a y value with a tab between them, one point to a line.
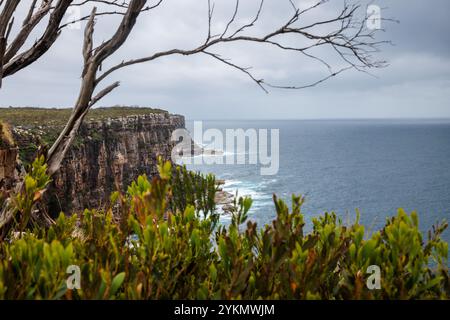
30	117
34	126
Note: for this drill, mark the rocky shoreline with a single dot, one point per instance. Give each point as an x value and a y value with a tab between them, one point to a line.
224	198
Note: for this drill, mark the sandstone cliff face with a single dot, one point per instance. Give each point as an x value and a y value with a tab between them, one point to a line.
8	157
107	154
112	153
8	174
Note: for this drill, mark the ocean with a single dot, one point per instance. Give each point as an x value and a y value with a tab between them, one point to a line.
374	166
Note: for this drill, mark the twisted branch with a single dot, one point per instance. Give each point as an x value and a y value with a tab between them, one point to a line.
350	39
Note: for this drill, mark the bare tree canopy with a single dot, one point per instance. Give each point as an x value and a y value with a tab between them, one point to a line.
344	34
13	55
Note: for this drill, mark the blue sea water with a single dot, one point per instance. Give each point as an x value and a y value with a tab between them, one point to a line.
376	166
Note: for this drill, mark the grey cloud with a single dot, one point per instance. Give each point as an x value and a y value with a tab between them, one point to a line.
416	84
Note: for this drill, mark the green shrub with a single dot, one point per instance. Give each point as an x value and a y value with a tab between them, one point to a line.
162	240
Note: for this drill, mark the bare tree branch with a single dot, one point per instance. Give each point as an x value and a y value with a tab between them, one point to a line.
88	41
352	42
103	93
6	22
107	13
210	15
236	9
30	22
11	61
30	12
252	23
259	82
93	59
50	35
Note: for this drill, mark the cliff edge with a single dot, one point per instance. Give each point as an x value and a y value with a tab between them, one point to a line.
114	146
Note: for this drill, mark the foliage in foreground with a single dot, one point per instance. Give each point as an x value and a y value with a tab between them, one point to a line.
157	246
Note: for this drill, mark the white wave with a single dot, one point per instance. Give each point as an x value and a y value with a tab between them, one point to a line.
243	189
231	182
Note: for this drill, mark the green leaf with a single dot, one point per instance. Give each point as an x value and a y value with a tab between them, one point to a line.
117	282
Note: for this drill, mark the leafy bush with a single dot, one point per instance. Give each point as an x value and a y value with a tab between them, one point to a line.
163	241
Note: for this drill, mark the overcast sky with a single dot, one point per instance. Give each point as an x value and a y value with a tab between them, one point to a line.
416	84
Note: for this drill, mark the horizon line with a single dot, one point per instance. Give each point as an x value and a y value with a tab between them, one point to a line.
189	118
320	119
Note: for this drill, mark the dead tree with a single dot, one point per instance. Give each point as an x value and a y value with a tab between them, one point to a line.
349	38
13	56
346	36
93	58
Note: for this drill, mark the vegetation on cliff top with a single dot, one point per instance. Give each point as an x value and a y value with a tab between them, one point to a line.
158	243
32	117
43	125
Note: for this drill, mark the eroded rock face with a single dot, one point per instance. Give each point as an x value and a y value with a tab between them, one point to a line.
8	173
112	153
107	154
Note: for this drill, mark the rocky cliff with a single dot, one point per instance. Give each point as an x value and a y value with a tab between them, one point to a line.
8	156
8	172
109	152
